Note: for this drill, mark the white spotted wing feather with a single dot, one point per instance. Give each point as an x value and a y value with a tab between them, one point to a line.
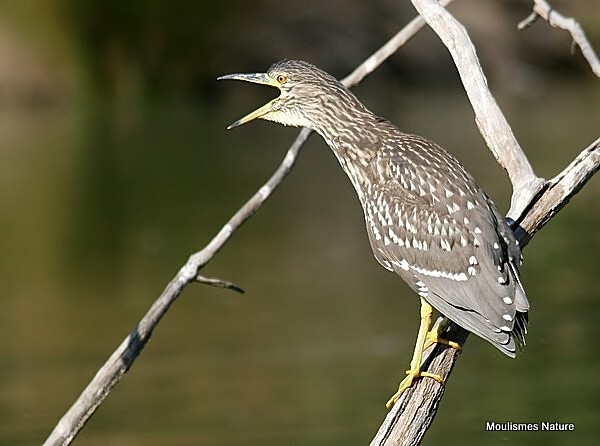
429	222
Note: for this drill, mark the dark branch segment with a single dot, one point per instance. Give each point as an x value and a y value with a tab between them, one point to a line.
219	283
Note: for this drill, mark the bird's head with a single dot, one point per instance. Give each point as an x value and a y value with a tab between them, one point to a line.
305	94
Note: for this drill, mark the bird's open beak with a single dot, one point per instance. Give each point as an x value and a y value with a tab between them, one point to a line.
255	78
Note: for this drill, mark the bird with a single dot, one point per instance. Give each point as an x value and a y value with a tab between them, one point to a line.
426	217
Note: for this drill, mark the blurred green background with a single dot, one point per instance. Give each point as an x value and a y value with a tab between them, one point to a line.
115	165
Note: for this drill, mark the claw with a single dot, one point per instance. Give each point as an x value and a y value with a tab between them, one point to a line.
425	339
408	382
434	336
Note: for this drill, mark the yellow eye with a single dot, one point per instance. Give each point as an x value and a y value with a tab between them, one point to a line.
281	78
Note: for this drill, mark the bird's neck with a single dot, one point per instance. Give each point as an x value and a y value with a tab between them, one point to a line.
354	140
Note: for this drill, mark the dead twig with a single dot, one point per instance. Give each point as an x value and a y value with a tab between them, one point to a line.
542	9
219	283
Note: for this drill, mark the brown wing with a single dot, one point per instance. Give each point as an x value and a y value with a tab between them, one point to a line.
448	241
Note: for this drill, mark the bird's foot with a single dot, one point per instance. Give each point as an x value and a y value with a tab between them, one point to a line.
434	336
407	382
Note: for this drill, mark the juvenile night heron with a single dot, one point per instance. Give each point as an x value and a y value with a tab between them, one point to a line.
427	219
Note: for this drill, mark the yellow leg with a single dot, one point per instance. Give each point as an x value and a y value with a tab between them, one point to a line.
425	338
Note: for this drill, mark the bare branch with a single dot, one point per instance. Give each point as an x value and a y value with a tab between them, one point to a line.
542	9
489	118
412	415
124	356
559	191
528	21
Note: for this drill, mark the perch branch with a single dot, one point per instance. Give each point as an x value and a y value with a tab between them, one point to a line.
542	9
124	356
412	415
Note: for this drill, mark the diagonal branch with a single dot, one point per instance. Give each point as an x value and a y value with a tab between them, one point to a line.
559	191
542	9
126	353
